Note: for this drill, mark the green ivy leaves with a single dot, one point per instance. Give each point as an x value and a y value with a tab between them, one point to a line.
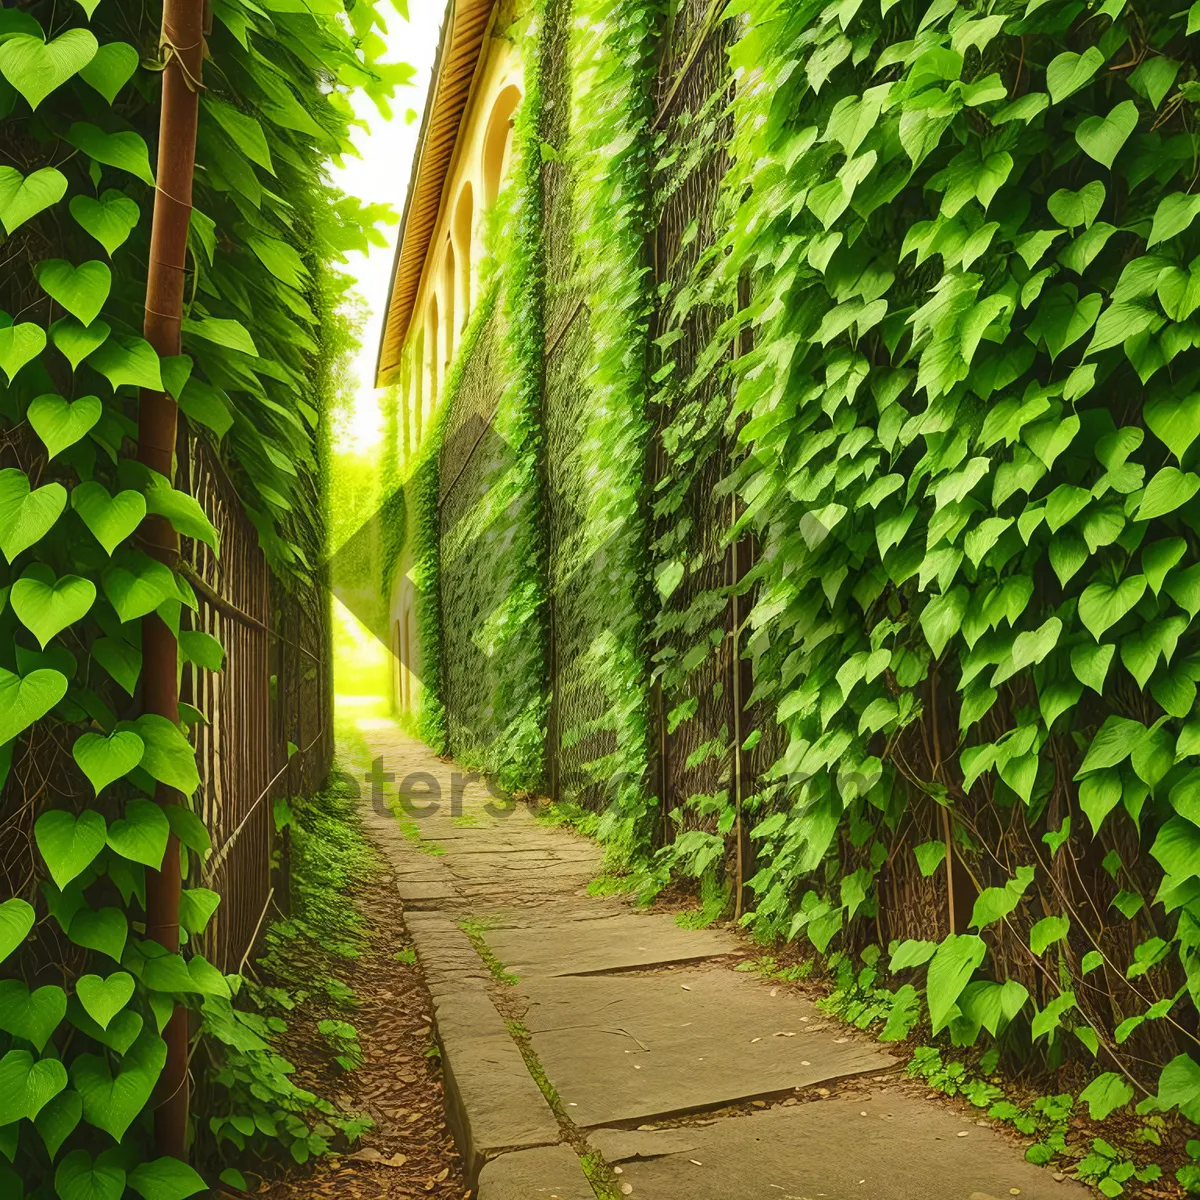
20	344
111	1102
109	219
27	1084
33	1016
81	290
111	519
16	920
46	605
26	516
101	998
106	759
36	68
1101	138
111	68
26	700
950	970
24	196
126	150
68	844
1067	73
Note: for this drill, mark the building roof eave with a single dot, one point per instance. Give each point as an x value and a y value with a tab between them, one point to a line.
458	53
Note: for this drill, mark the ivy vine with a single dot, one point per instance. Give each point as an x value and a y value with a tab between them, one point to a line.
87	992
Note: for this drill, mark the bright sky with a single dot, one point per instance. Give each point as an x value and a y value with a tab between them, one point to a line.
381	175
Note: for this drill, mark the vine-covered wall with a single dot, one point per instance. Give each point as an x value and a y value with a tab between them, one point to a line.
87	991
876	496
476	491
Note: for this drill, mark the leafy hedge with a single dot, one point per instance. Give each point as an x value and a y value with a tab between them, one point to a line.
86	994
965	426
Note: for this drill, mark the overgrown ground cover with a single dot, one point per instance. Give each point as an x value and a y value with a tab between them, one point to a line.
339	972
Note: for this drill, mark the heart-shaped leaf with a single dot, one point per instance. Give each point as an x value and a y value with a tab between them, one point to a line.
110	220
20	344
33	1016
16	920
112	1102
141	835
196	907
136	584
121	660
28	1084
102	999
77	341
88	6
104	930
169	756
1077	208
26	517
79	1178
1102	605
126	151
24	701
129	360
1069	72
1101	138
165	1179
124	1029
81	290
1173	215
110	518
103	759
69	844
1176	423
111	69
36	68
46	606
1169	489
57	1120
61	423
24	196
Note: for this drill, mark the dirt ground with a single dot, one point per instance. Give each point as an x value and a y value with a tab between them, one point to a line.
410	1151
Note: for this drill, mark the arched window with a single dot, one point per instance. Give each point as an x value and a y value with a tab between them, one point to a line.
433	354
418	375
447	293
462	232
497	140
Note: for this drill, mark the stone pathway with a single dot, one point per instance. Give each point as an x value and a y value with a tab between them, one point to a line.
587	1042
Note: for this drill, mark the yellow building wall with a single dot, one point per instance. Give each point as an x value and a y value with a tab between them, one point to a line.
448	288
446	297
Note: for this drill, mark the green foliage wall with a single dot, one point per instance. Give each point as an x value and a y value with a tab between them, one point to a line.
966	458
85	995
953	300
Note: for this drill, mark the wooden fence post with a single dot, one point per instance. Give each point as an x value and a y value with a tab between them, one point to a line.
182	51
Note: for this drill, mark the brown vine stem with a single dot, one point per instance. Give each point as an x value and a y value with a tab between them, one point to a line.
1108	962
1058	988
166	273
936	773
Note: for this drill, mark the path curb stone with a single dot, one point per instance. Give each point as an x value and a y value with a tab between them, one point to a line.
548	1173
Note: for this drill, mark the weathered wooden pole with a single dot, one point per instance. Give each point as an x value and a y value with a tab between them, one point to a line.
182	48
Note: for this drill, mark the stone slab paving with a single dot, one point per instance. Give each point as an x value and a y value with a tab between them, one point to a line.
632	1048
881	1146
639	1030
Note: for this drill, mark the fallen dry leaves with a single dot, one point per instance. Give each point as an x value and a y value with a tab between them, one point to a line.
410	1152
